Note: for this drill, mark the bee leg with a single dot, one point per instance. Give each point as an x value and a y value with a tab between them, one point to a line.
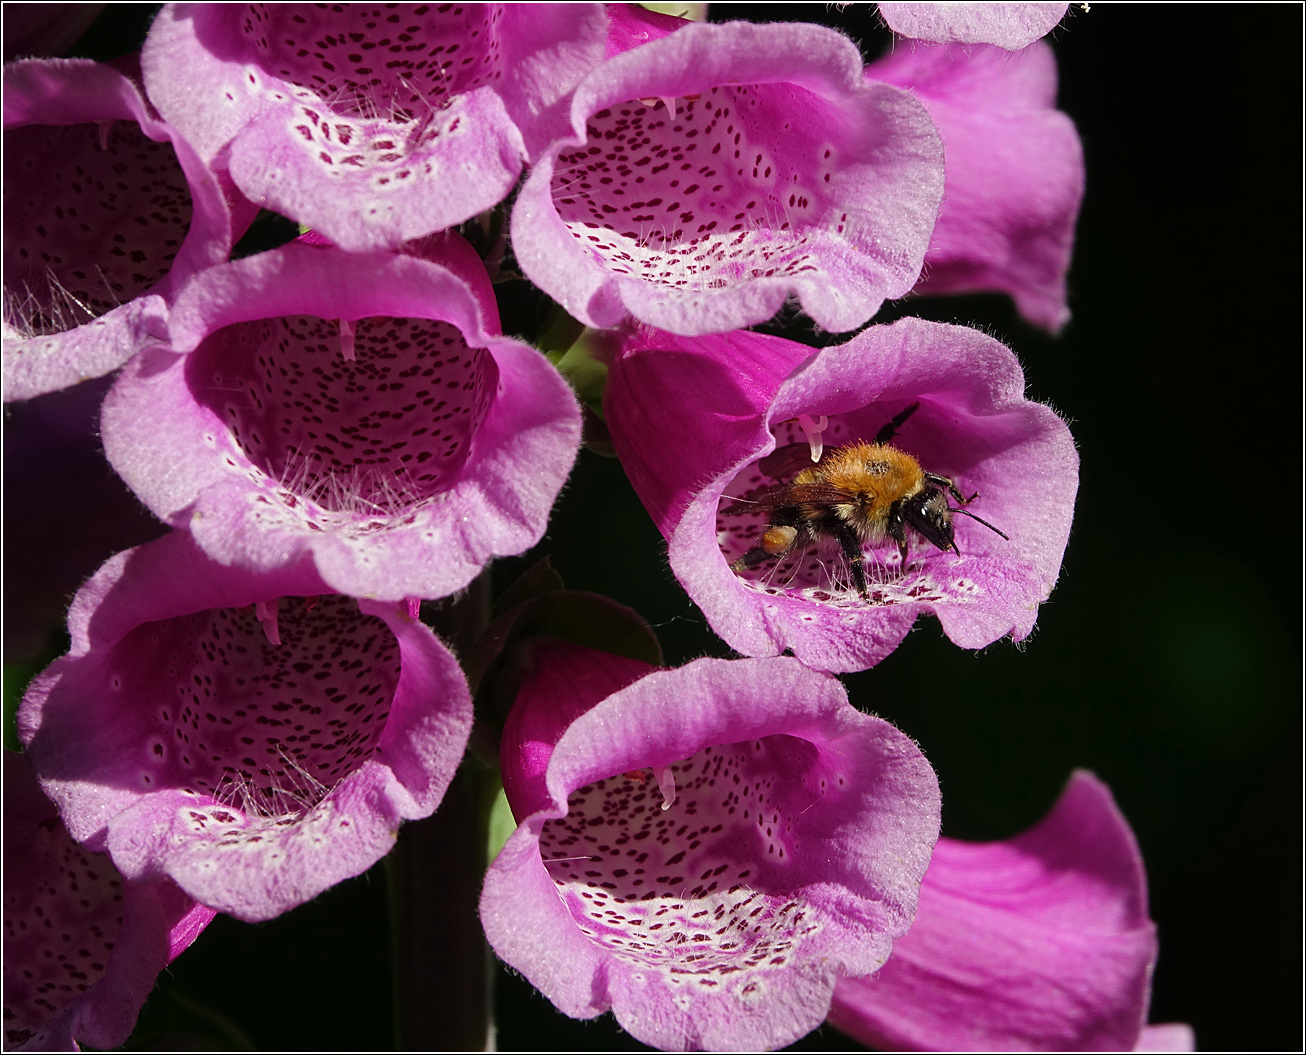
943	481
886	433
776	541
751	559
852	549
896	529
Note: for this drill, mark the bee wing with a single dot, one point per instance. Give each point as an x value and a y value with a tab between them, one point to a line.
784	463
788	495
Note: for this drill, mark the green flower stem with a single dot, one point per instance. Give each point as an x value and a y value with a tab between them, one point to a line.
442	966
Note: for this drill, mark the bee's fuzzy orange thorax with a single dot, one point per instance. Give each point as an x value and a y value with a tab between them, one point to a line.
878	470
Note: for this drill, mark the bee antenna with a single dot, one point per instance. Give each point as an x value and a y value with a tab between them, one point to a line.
996	531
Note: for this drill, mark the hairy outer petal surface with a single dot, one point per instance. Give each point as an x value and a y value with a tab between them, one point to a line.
256	752
107	212
714	172
692	419
1038	943
1011	26
439	445
1013	176
82	947
372	125
790	853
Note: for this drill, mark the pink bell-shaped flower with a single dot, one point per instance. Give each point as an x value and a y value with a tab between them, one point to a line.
706	850
712	173
107	211
82	945
255	752
361	408
371	125
711	429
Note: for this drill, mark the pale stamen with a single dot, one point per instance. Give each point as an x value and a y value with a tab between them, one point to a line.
347	340
266	613
666	785
812	428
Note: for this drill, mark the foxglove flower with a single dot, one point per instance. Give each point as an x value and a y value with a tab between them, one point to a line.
705	851
1013	175
712	173
254	751
1010	26
82	947
1038	943
359	408
694	421
371	125
107	211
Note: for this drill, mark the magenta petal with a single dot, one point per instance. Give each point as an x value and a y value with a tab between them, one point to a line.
334	121
108	211
1169	1036
258	432
1013	176
1009	25
1041	943
630	25
255	774
691	428
789	852
780	172
82	947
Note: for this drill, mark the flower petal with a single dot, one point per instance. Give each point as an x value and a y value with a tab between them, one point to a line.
1169	1036
108	211
1009	25
1041	943
1013	177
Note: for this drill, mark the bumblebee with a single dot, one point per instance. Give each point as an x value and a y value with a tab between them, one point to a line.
858	494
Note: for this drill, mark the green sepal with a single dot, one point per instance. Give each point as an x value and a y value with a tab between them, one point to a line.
583	362
494	663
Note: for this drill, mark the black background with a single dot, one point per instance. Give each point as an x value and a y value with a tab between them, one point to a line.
1168	660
